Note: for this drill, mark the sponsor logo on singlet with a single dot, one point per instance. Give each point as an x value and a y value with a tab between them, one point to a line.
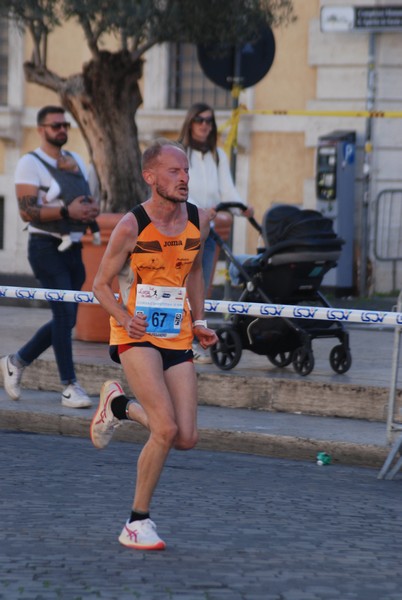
173	243
153	264
180	262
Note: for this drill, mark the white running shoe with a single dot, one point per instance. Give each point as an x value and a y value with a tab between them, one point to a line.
11	377
75	397
141	535
201	356
104	422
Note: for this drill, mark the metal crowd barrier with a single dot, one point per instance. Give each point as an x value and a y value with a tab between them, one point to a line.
388	229
389	469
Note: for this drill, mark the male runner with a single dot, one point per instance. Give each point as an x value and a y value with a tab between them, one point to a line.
157	247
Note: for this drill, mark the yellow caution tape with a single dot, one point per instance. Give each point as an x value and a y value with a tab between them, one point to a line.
236	90
231	139
233	122
368	114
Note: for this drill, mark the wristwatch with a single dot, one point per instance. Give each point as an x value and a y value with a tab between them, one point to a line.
64	212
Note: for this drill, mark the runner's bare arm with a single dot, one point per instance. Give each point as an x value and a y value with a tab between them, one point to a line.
195	287
119	248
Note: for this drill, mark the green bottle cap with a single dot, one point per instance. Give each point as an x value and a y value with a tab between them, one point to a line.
323	458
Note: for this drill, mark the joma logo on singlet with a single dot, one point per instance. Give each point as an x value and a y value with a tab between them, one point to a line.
174	243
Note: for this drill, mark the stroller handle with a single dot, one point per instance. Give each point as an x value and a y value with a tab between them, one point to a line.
228	205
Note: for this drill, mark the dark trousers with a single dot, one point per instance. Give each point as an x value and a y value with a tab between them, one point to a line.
62	271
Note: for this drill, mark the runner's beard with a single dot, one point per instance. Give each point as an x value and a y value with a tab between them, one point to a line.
161	192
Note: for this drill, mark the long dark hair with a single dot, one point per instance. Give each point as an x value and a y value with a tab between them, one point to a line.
185	137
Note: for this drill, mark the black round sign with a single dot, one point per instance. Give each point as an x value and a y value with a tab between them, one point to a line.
254	59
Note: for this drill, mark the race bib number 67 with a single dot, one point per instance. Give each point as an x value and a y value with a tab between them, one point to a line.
162	307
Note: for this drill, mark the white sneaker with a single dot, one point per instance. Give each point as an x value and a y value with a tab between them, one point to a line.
66	242
75	397
141	535
201	356
11	377
104	422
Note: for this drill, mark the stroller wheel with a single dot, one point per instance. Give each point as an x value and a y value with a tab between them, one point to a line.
303	360
280	359
340	359
227	351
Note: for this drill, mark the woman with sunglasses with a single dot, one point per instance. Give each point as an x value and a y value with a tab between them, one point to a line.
210	183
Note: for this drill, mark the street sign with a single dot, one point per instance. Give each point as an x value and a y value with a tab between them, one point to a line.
338	19
378	18
255	59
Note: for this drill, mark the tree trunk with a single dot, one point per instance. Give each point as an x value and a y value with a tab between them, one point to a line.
103	99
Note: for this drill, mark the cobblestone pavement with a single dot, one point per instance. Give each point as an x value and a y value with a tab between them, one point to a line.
238	527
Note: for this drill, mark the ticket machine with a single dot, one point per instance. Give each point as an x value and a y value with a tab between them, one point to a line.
335	191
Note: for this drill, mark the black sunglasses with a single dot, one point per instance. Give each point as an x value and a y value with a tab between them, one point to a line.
57	126
207	120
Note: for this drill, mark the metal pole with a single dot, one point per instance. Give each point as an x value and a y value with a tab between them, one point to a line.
394	376
236	81
365	238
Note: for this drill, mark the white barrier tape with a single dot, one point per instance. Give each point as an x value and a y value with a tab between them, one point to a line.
253	309
320	313
47	294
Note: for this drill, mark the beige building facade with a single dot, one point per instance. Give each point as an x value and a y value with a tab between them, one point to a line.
313	71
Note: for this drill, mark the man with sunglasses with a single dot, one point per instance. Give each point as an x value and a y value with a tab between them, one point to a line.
35	173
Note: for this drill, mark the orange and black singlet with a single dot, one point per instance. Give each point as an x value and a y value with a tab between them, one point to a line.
158	260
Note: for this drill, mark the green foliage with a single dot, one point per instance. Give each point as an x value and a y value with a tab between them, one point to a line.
46	13
231	21
139	24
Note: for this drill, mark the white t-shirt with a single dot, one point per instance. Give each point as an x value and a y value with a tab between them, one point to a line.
30	171
209	183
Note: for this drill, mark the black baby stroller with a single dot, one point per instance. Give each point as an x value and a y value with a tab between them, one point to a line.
300	247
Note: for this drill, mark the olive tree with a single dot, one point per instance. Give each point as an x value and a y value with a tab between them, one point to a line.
104	97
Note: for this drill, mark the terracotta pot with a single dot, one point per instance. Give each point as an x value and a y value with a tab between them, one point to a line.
92	320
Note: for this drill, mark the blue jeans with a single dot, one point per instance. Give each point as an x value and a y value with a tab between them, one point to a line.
208	261
62	271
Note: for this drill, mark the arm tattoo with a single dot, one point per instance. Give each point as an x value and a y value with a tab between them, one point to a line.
29	209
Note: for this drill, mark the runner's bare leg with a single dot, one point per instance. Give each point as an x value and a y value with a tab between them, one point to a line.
171	420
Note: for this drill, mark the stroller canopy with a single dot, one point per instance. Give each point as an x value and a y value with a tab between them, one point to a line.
285	223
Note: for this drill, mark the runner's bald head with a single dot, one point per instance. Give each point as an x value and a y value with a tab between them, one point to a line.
152	154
